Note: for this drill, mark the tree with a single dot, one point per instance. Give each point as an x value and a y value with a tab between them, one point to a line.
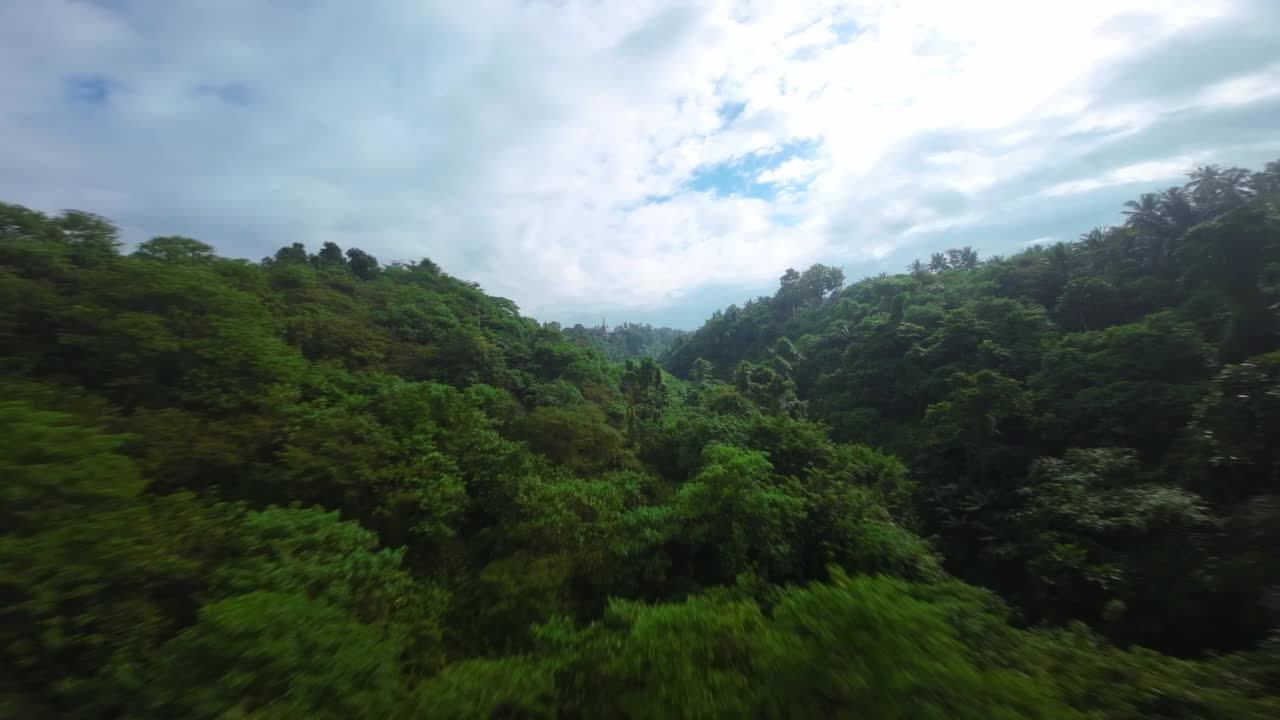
766	387
644	391
1267	181
965	258
789	281
1216	190
691	658
175	248
310	552
818	280
1231	459
362	264
330	254
1146	214
1228	252
1128	386
90	239
970	419
406	459
483	688
808	289
1093	240
1233	428
1177	210
737	516
84	565
863	647
1089	303
269	654
578	437
938	262
859	647
294	254
1103	546
702	371
859	518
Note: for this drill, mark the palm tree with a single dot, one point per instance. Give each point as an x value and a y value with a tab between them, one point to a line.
968	257
1091	245
1145	215
1203	185
1094	239
917	268
1236	189
1216	190
938	262
1177	210
1160	218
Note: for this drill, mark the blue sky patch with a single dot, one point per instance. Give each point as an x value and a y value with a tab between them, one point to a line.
730	111
230	93
739	175
845	30
87	89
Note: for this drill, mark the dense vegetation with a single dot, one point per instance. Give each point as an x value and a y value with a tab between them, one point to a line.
1087	422
628	341
319	487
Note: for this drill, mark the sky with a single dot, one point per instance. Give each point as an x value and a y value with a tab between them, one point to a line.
648	160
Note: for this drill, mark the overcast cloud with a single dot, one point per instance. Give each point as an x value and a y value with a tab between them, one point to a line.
645	160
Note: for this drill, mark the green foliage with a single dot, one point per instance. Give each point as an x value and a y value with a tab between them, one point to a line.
84	564
1104	682
643	390
856	648
863	648
1234	429
691	658
628	341
508	596
482	689
971	370
1233	268
738	515
1088	303
577	437
311	553
175	249
318	486
273	655
973	416
1101	545
1131	385
848	527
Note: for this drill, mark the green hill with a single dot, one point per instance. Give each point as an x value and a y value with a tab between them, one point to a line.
317	486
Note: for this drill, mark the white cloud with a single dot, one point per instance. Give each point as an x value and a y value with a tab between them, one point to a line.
1147	172
1243	89
521	144
792	170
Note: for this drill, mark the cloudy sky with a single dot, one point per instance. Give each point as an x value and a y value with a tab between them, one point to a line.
644	160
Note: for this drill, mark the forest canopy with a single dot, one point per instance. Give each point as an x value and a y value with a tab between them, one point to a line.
1035	486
